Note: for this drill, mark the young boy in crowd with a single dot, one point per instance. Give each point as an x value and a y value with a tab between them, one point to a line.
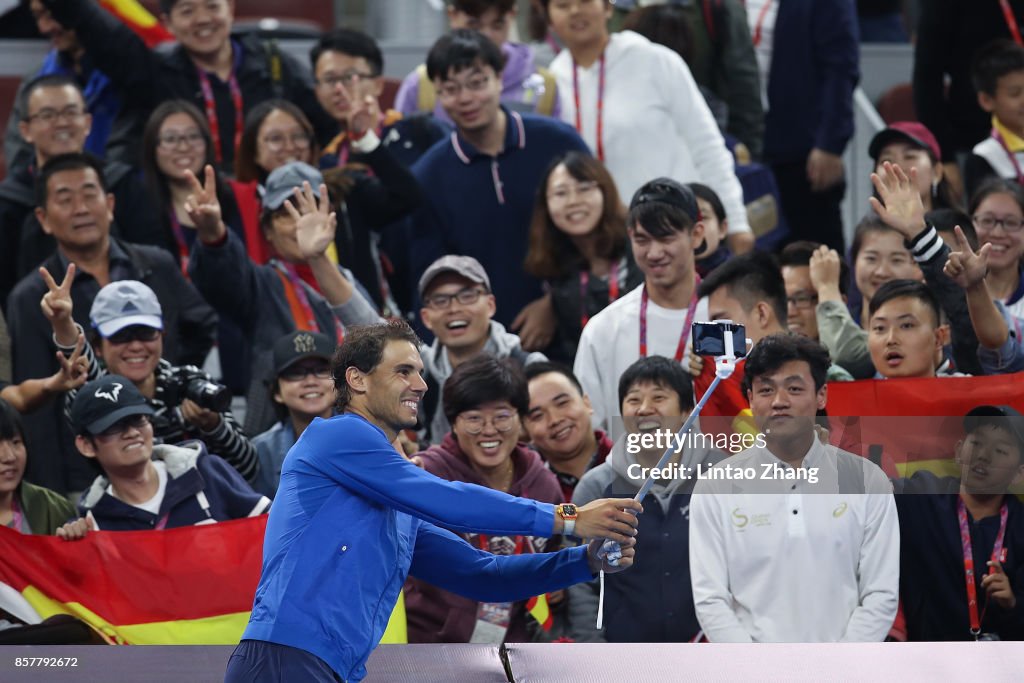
998	74
302	389
905	333
525	87
145	486
654	604
950	526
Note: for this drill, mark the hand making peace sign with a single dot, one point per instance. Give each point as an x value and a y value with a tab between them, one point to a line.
202	205
965	266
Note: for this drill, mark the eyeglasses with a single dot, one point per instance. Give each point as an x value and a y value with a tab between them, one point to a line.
802	300
275	142
142	333
449	90
50	116
466	297
474	423
123	425
331	81
174	140
989	222
297	373
562	193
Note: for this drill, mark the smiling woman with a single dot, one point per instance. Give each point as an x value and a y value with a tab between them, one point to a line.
485	400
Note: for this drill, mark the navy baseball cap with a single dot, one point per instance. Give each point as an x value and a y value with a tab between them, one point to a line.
104	401
299	345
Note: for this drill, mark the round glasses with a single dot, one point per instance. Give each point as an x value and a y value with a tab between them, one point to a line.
474	423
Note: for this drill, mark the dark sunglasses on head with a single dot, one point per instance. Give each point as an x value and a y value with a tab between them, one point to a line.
132	333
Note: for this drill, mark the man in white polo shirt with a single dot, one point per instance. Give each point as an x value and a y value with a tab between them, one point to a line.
793	540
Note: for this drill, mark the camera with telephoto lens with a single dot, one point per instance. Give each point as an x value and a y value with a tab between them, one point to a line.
190	382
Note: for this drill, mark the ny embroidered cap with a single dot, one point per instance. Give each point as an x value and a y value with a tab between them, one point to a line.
283	180
667	191
104	401
1004	417
122	304
299	345
466	266
905	131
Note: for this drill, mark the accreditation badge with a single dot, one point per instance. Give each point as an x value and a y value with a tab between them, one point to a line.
492	620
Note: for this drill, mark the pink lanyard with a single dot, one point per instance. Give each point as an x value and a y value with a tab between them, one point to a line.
210	106
998	137
997	553
179	237
681	348
600	105
15	514
613	291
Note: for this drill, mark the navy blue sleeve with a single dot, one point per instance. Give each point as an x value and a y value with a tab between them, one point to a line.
228	279
835	35
225	489
356	455
449	562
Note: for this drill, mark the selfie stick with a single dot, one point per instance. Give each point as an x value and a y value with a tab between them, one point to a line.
724	366
610	551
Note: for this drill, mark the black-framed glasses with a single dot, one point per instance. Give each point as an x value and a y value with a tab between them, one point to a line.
297	373
123	425
466	297
331	81
475	423
449	90
988	222
173	140
49	116
143	333
802	300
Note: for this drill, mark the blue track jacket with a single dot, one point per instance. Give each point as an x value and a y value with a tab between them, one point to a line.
352	519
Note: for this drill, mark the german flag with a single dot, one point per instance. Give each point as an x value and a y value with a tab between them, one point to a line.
138	19
186	586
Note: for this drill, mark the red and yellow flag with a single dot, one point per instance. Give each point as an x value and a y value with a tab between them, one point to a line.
539	609
138	19
186	586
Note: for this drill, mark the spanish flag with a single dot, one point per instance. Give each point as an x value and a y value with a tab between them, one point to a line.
185	586
138	19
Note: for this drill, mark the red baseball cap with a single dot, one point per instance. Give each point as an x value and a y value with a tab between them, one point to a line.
905	131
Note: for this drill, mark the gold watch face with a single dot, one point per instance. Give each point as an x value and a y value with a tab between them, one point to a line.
568	511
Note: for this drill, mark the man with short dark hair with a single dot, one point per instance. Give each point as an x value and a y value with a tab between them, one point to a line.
480	185
801	295
458	307
653	603
559	424
905	332
75	207
664	227
793	540
353	518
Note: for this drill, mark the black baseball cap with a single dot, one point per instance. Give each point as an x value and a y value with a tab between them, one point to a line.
299	345
104	401
1004	417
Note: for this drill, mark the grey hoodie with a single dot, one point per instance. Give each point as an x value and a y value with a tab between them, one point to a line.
500	344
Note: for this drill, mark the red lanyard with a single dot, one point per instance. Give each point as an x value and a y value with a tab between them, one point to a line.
179	237
998	137
613	291
997	554
600	105
681	348
762	15
1011	21
211	111
298	302
15	514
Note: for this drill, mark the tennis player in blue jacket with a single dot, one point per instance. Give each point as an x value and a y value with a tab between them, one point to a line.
352	518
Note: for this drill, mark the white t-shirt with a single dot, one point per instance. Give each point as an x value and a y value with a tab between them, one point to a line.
610	343
153	504
773	560
655	122
761	15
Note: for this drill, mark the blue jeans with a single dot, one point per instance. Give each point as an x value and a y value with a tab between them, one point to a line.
257	661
